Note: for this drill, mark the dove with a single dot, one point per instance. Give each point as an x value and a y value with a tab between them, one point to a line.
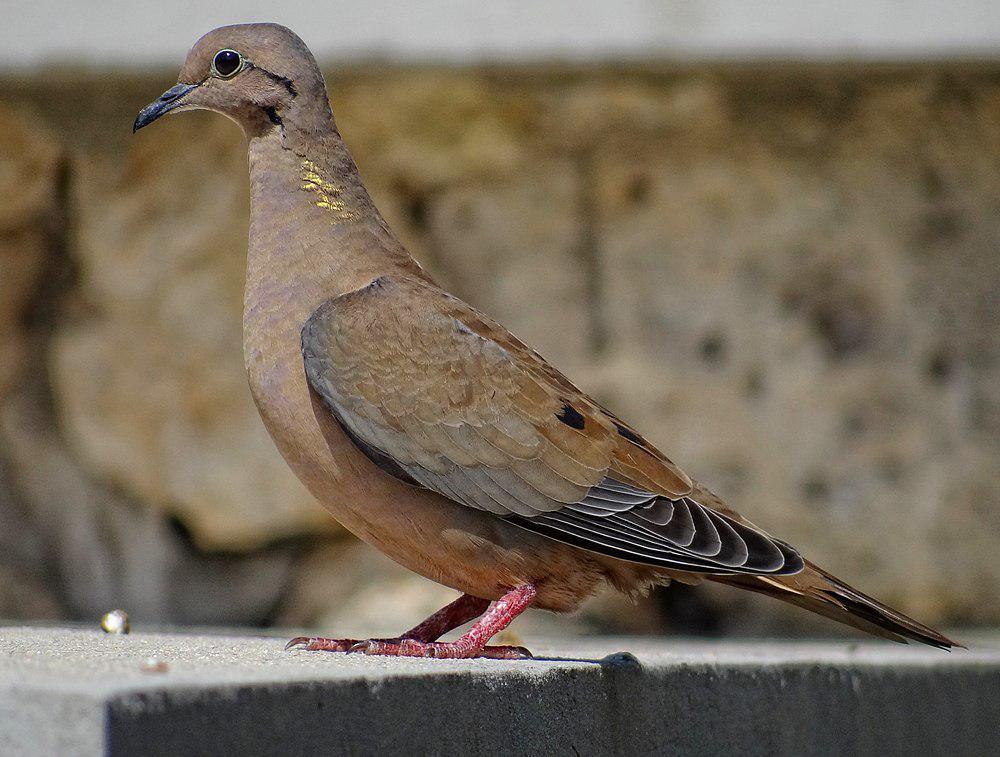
429	430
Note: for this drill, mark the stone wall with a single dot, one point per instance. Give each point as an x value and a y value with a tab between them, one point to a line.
787	276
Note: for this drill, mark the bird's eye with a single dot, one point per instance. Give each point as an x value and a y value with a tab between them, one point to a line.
227	63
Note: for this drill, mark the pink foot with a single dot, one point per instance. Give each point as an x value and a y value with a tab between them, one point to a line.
456	650
421	641
406	648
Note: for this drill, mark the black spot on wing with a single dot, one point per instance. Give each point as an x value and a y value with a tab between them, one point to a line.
571	417
630	435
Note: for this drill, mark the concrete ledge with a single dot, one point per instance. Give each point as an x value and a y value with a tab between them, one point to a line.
68	692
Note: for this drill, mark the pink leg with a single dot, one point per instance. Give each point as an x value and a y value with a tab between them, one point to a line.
462	610
420	640
459	612
473	643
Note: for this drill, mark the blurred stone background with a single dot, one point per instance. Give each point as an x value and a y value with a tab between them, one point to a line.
785	274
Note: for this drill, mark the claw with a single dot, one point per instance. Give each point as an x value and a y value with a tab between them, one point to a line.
506	653
319	644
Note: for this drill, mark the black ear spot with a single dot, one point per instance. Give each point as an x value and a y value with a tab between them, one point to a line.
273	116
571	417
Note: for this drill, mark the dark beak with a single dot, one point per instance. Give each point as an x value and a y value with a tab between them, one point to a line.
161	105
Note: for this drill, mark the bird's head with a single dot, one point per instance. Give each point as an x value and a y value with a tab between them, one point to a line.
256	74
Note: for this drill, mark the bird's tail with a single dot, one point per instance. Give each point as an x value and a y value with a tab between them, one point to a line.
816	590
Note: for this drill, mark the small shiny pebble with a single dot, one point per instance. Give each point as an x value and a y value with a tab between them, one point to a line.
154	665
115	621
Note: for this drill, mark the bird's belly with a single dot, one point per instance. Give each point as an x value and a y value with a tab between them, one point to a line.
466	549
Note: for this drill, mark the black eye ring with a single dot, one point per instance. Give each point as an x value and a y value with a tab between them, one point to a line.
227	63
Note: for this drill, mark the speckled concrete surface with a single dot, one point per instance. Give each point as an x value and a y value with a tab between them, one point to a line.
73	691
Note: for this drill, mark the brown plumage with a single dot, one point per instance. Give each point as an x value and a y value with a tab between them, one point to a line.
425	426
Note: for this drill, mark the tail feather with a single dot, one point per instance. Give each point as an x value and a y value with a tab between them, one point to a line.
816	590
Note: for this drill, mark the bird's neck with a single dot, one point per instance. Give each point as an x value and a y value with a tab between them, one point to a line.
313	225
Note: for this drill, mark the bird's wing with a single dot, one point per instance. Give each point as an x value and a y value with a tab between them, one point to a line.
441	396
